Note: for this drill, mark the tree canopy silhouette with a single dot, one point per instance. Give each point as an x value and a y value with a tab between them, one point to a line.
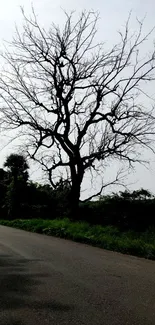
76	102
17	166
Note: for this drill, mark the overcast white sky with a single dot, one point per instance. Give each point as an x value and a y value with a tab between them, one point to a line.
113	14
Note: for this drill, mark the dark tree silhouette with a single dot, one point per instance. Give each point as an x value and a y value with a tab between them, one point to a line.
77	103
16	193
17	167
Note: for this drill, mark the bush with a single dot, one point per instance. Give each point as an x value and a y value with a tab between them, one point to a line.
123	213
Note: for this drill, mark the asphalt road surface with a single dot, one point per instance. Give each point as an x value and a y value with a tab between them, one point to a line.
45	280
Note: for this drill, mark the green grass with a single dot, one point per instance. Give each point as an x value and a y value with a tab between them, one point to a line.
139	244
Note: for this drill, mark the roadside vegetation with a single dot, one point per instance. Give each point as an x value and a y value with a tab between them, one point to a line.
108	237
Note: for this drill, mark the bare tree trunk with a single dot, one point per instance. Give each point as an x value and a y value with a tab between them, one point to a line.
77	173
74	201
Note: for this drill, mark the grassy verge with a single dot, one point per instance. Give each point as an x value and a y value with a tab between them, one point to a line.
139	244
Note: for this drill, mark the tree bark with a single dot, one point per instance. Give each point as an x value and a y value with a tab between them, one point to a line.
74	200
77	172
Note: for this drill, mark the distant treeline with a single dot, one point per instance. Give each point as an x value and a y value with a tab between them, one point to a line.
21	198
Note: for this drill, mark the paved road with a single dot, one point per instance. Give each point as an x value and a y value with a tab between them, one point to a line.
45	280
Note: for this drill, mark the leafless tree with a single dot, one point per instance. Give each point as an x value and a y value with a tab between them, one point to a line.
77	104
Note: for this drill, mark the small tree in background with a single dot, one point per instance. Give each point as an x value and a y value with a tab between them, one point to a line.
17	169
77	103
